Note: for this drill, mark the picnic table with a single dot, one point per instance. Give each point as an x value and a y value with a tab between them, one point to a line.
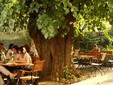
15	64
87	56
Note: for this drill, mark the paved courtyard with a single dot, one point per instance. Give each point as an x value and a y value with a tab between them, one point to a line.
107	82
106	79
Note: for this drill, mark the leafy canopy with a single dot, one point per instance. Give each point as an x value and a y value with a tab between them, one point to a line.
90	15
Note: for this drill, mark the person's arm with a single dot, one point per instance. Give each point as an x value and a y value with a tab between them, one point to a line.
8	54
27	58
17	57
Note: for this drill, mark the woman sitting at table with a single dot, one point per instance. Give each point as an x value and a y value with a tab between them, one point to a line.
23	55
2	48
7	73
9	52
15	50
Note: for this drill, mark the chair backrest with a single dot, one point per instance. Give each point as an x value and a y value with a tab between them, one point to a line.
34	59
38	66
103	56
108	52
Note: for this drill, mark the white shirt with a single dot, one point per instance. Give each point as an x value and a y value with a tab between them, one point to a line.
26	58
9	54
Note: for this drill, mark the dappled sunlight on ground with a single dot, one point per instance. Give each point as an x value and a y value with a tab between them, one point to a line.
50	83
98	79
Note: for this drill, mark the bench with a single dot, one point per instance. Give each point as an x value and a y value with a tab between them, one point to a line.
109	53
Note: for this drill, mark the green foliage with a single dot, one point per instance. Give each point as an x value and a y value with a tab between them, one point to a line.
51	15
67	73
51	21
88	40
108	48
91	15
102	39
13	15
34	7
47	26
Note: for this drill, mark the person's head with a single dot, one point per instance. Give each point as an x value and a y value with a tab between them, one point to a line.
26	47
22	50
95	46
11	46
1	45
15	48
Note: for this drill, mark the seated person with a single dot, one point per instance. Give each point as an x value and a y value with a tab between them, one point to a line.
15	50
23	55
2	48
7	73
9	52
96	48
95	52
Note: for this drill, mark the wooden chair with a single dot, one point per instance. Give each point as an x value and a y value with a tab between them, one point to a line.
96	54
34	59
98	66
33	73
91	65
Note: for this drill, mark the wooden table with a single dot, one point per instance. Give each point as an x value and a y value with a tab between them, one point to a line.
87	56
10	65
15	64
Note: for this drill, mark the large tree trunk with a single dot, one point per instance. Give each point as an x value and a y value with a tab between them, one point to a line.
56	51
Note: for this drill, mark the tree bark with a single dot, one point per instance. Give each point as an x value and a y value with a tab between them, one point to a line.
56	51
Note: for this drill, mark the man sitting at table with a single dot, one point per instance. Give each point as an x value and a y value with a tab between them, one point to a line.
7	73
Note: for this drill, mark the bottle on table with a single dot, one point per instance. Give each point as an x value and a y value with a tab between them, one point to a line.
11	60
12	56
3	57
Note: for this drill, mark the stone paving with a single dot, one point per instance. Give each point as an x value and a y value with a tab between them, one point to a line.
50	83
98	80
107	82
